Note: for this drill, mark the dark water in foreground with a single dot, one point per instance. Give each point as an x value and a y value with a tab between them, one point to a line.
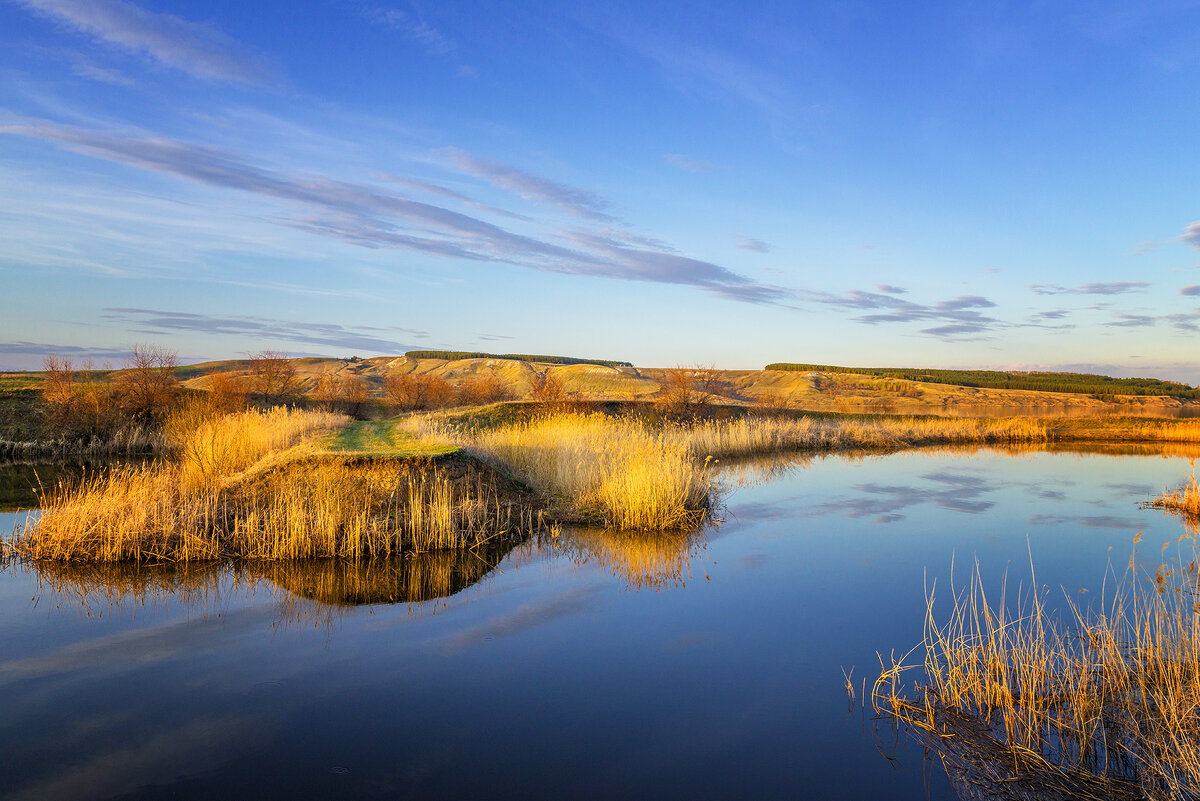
594	666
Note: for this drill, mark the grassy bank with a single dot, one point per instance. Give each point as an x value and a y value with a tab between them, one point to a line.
260	485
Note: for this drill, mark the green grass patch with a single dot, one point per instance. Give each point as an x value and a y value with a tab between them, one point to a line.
381	438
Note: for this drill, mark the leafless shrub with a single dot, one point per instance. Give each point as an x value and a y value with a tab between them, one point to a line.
481	389
148	386
273	377
685	391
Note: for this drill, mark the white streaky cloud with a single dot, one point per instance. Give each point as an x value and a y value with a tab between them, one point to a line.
529	186
197	49
371	217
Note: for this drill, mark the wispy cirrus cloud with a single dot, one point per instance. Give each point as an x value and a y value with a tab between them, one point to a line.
529	186
442	191
368	216
370	338
687	163
751	243
1191	290
1191	234
960	317
1095	288
24	355
1130	320
411	26
199	50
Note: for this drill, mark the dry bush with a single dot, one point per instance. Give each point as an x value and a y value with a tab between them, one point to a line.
481	389
229	393
148	386
273	377
77	405
345	393
685	391
350	395
411	391
548	390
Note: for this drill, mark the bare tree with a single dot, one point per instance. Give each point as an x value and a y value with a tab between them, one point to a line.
548	390
409	391
273	377
685	391
148	385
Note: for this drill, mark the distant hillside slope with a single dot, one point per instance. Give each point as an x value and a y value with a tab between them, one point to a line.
793	386
588	380
1074	383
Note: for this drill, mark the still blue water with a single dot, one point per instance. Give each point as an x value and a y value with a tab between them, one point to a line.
593	666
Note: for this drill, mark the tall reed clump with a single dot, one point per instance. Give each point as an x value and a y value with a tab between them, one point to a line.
630	475
212	448
233	493
1111	696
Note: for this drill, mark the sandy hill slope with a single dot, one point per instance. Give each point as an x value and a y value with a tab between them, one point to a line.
819	391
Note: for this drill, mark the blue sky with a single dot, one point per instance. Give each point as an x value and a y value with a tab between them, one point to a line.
1007	185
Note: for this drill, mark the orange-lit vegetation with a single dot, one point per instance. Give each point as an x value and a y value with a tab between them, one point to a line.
249	485
615	469
410	391
80	406
1104	701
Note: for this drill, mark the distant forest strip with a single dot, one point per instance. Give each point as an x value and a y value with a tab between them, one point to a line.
1079	383
452	355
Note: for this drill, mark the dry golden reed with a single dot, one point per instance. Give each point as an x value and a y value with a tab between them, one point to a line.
634	475
1111	695
617	469
751	436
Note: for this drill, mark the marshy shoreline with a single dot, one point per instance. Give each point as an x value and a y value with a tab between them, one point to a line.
281	483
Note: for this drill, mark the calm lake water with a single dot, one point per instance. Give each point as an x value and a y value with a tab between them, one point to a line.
594	666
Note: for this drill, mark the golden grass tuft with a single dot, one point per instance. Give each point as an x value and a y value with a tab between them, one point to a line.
215	448
616	469
1111	696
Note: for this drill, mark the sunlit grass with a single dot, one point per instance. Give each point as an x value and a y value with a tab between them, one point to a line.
616	469
637	474
252	485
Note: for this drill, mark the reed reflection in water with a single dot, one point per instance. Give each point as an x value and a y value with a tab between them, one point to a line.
310	588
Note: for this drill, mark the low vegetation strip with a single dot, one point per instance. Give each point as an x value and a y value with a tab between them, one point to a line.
454	355
1077	383
633	473
750	436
